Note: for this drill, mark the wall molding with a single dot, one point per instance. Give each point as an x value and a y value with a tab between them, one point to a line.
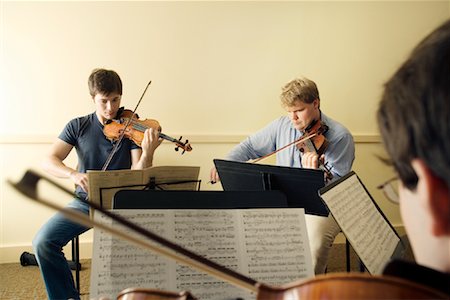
193	139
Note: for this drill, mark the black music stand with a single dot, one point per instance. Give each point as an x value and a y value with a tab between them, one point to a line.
154	199
299	185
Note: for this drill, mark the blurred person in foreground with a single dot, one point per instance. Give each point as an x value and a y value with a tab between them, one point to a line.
414	121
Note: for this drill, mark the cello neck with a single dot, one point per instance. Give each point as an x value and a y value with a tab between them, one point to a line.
28	186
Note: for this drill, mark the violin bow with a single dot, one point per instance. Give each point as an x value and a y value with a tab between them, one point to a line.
116	145
28	187
298	141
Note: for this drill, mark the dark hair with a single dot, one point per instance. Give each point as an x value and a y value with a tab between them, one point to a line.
414	113
105	82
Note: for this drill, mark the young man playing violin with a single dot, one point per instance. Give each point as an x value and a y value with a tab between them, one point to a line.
414	121
300	98
93	149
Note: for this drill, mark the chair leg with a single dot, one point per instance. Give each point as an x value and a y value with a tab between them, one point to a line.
76	260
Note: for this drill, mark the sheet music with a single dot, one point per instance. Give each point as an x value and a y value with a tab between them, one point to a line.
103	185
364	226
268	245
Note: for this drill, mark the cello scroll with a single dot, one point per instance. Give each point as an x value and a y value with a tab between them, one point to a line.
329	286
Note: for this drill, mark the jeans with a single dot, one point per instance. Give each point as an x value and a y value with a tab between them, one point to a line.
48	244
321	233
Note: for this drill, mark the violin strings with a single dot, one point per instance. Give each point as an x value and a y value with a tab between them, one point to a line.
142	128
116	146
138	126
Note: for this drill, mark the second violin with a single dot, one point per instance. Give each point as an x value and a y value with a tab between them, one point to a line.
131	127
317	144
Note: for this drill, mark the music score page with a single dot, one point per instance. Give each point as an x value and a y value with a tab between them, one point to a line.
103	185
369	233
268	245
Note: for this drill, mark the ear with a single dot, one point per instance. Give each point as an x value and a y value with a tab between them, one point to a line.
435	197
316	103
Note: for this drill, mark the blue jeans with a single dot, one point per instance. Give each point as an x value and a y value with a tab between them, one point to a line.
48	244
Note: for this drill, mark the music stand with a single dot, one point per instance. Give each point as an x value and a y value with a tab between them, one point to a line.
153	199
299	185
103	185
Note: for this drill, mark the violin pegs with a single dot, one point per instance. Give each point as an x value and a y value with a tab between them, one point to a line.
176	148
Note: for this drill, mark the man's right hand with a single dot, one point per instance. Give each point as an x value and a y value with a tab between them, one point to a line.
214	176
80	179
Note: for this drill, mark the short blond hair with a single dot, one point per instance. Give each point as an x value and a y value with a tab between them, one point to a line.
300	89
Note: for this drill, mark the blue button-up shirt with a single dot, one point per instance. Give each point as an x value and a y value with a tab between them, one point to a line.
339	155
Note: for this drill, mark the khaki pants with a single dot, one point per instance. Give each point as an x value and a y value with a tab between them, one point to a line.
321	233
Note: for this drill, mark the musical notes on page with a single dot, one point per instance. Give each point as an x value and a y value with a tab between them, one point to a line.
103	185
269	245
276	245
370	234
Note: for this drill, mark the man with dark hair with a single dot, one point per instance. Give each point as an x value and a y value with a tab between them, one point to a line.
93	148
414	120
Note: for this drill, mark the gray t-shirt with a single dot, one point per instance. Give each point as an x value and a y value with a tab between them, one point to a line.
93	148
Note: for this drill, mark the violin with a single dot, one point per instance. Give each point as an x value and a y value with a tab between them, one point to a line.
317	144
131	127
329	286
312	141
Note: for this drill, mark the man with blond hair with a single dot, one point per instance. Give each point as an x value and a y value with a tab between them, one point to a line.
300	98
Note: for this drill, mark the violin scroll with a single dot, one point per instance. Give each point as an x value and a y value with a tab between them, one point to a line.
183	145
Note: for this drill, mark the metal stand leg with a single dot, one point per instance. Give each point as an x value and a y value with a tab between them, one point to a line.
347	254
76	260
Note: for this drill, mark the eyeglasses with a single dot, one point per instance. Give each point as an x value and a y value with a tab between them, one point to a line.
390	189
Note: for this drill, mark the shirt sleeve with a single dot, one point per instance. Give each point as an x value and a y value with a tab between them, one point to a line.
256	145
134	146
341	155
70	132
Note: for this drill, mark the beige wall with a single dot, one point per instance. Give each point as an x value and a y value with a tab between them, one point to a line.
216	71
